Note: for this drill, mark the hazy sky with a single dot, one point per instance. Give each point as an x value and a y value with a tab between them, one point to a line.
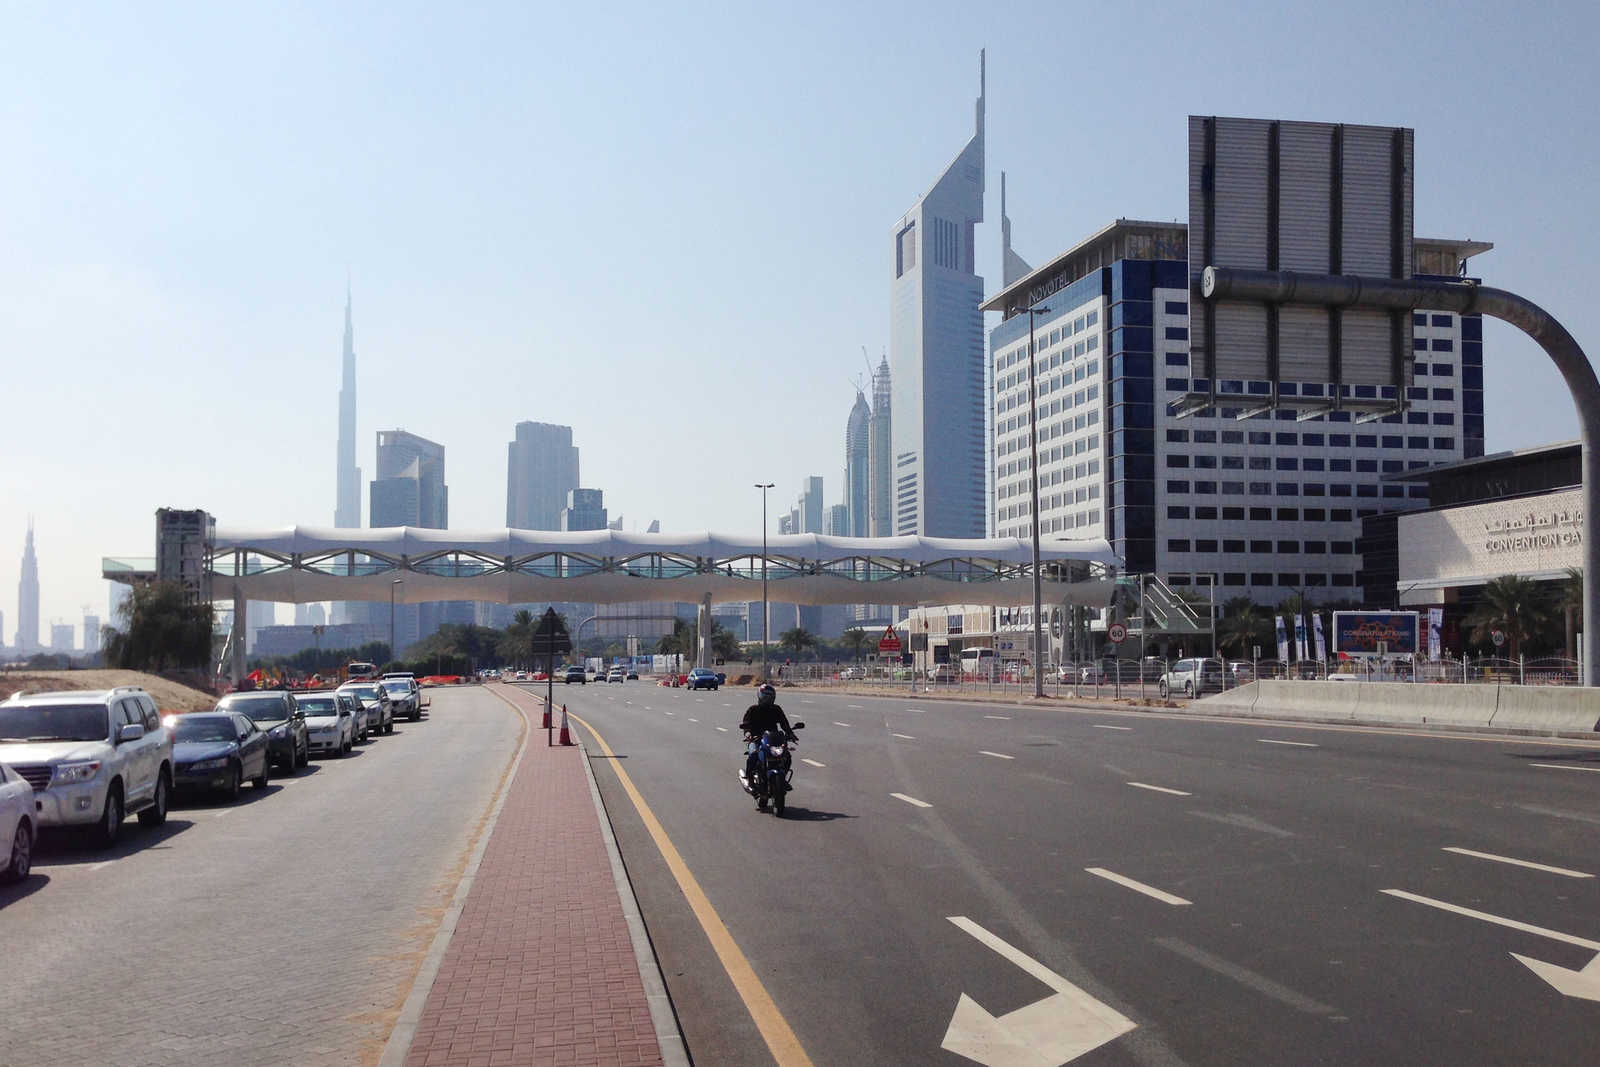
666	225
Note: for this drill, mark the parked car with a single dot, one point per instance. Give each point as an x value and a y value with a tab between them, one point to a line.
575	673
942	674
1191	677
633	675
91	757
274	712
218	750
375	698
851	674
358	712
330	725
404	697
19	812
616	674
703	678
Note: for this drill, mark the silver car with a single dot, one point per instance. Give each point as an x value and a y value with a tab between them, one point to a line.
375	699
330	724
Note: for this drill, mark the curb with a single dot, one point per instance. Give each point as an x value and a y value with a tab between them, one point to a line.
674	1053
404	1031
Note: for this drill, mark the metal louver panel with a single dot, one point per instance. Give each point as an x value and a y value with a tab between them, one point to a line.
1367	195
1366	347
1305	185
1241	341
1241	194
1303	344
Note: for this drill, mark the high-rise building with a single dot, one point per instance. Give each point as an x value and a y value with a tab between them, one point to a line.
541	469
837	522
91	635
808	510
856	431
410	490
28	597
880	448
936	350
61	637
347	504
585	510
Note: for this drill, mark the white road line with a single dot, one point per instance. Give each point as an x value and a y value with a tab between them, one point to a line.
907	737
669	713
1296	744
1137	887
224	811
812	762
997	716
1160	789
724	729
694	720
996	755
97	866
913	801
855	707
841	724
1564	767
1528	928
918	711
647	707
1103	726
1518	863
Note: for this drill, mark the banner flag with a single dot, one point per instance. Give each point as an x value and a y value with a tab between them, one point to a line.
1283	639
1322	647
1300	652
1435	629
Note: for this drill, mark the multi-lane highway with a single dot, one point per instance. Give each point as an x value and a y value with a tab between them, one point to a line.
1031	886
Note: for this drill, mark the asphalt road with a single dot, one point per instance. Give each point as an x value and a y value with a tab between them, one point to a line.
1219	888
284	929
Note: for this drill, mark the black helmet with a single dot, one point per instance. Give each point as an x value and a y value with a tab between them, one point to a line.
765	694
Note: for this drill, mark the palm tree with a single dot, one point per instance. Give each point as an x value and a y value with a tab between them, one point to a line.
797	640
1243	625
1516	606
854	639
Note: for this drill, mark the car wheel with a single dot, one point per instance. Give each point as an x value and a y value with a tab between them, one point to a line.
305	754
156	813
1188	690
339	750
21	853
110	824
1162	689
260	781
388	727
235	783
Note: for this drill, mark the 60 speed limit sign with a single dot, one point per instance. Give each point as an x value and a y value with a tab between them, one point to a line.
1117	632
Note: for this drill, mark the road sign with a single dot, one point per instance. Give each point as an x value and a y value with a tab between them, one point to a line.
550	637
1498	637
889	642
1117	633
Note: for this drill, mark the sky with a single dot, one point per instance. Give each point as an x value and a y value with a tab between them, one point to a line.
667	226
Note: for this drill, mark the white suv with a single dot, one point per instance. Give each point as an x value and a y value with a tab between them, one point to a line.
1192	678
91	757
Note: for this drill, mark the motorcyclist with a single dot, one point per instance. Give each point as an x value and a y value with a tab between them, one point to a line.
765	714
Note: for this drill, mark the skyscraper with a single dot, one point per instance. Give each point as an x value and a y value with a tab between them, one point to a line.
28	597
857	521
880	445
410	491
347	505
91	635
541	469
585	510
937	351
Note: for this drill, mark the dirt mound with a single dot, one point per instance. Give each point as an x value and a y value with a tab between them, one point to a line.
169	696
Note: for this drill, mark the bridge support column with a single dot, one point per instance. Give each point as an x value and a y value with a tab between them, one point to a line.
236	641
703	633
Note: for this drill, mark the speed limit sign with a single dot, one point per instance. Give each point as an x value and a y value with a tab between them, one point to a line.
1117	632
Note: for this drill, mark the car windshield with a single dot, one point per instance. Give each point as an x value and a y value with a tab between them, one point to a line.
203	728
397	686
261	709
365	692
316	707
54	722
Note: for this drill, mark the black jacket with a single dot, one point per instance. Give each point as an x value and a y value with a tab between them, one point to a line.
759	719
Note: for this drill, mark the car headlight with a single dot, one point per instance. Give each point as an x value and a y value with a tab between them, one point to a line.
67	773
278	733
211	764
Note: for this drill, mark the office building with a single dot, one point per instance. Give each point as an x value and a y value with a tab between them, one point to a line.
585	510
409	490
28	597
541	469
837	522
857	491
183	551
91	635
1272	504
936	350
880	446
61	637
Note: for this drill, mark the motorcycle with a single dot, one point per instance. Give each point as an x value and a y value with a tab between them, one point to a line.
773	773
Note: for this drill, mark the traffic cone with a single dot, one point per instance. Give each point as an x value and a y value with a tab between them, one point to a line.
546	724
566	738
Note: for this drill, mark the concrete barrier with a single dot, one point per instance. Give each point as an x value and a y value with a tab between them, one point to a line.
1319	701
1428	703
1556	709
1239	701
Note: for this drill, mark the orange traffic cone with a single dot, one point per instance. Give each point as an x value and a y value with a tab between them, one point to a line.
546	724
566	738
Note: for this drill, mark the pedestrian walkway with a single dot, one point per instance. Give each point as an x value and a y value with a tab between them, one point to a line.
541	967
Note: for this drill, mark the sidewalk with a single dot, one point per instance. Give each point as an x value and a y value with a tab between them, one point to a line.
541	967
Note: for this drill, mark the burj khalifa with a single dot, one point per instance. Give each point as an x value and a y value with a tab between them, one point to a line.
347	506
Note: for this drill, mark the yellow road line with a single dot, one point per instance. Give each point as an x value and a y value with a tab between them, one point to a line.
782	1043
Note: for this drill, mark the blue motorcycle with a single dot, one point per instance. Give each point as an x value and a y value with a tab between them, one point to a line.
769	772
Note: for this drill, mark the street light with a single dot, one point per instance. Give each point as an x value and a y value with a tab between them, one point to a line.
397	581
764	486
1033	470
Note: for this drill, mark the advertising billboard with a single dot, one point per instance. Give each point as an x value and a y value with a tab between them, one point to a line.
1358	633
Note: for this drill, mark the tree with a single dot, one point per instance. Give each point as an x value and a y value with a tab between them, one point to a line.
160	629
798	640
854	639
1243	625
1570	602
1514	605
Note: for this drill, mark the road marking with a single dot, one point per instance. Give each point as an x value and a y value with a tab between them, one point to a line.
1245	977
997	717
841	724
812	762
1103	726
669	713
996	755
1527	928
724	729
647	707
1577	816
775	1030
918	711
906	737
1519	863
97	866
855	707
1057	1029
1160	789
1137	887
1296	744
1244	821
224	811
694	720
1564	767
913	801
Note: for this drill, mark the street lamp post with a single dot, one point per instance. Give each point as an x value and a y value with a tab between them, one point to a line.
1033	471
397	581
764	486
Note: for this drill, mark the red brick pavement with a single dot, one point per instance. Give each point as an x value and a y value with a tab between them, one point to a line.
540	969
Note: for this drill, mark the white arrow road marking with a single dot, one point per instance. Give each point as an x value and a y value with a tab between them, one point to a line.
1296	744
1046	1033
1519	863
1160	789
813	762
1103	726
1137	887
913	801
1564	767
996	755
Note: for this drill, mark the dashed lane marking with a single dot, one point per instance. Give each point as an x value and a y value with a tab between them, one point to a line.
913	801
224	811
1160	789
841	724
855	707
997	717
906	737
1565	767
996	755
1442	905
724	729
1296	744
918	711
1563	871
812	762
1103	726
694	720
1137	887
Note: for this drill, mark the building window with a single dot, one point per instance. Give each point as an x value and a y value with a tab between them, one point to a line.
1233	463
1261	546
1288	514
1314	515
1260	514
1177	359
1205	513
1443	344
1339	440
1177	307
1233	514
1178	544
1288	489
1176	486
1257	578
1444	444
1205	546
1177	333
1207	488
1232	577
1287	463
1177	461
1236	545
1288	578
